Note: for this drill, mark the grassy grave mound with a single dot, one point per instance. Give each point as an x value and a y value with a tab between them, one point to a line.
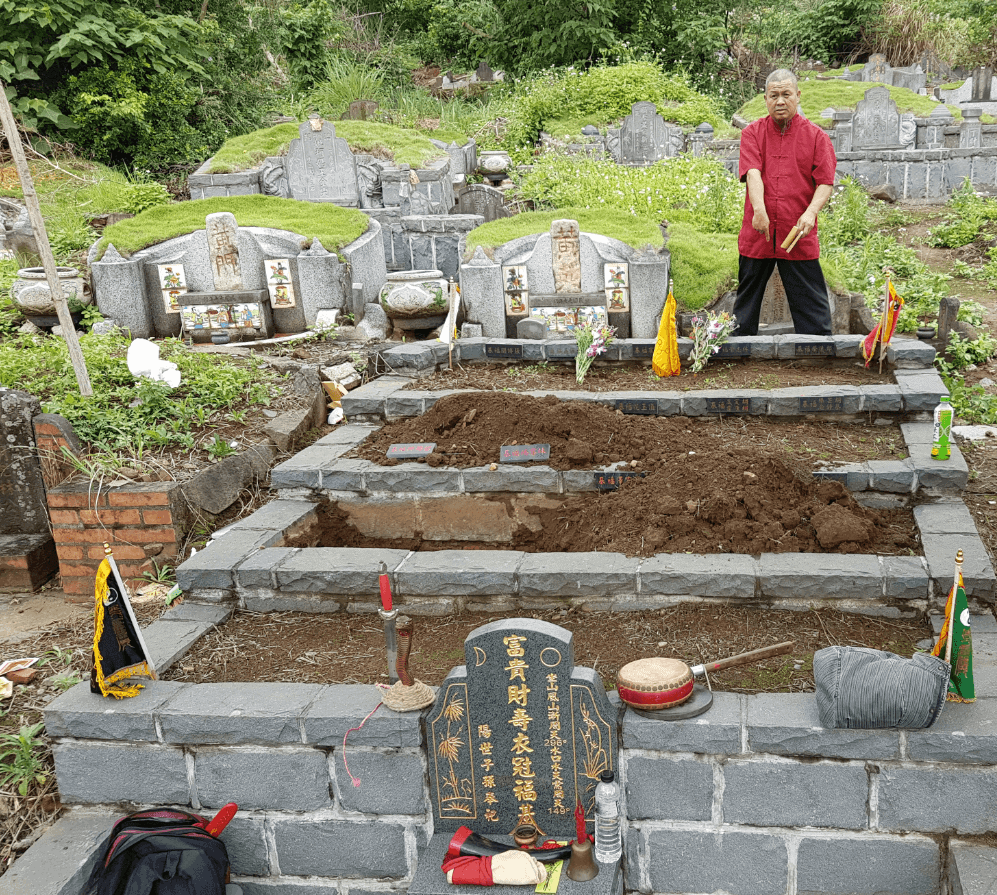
333	226
386	141
612	222
838	94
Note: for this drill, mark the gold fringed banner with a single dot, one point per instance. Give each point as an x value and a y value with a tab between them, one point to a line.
119	652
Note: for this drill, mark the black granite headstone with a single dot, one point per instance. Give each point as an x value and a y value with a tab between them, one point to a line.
518	734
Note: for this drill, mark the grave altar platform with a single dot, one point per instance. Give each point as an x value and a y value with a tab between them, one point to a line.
431	880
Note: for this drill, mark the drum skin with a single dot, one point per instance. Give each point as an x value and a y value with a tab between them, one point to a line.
656	683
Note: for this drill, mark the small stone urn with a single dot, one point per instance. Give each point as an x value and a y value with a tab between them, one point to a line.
416	299
34	299
494	164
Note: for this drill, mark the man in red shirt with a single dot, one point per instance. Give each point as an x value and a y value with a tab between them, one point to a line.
788	164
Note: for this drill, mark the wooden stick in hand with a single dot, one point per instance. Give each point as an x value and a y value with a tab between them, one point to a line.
795	235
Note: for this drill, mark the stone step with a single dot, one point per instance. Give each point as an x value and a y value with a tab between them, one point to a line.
27	561
972	869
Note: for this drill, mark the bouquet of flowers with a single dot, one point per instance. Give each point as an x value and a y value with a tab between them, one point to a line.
708	334
592	341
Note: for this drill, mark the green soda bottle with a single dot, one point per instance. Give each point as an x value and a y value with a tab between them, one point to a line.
941	443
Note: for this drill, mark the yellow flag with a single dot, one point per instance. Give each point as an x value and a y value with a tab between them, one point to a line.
665	361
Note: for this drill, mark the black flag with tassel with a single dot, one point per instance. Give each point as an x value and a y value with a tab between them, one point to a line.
119	652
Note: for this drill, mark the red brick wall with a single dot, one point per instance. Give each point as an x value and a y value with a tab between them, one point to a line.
141	522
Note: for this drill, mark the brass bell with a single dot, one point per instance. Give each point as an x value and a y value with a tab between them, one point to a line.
582	865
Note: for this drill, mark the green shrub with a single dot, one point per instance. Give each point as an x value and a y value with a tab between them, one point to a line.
306	31
968	213
140	196
698	191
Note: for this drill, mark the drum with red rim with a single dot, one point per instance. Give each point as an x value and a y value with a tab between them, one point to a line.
652	684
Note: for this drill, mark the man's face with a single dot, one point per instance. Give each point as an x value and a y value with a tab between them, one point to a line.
782	98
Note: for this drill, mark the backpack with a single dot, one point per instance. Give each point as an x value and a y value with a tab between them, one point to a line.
162	851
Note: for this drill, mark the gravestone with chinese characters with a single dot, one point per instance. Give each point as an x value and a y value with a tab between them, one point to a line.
320	166
27	551
518	734
644	137
876	124
223	249
775	316
480	198
566	252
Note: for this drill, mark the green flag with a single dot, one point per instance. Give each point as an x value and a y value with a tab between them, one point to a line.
956	645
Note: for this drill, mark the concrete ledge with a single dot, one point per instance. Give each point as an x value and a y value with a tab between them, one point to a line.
60	862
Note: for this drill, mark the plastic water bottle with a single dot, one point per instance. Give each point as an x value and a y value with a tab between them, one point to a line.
941	443
608	834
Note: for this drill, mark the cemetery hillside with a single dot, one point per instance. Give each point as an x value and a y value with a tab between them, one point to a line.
565	352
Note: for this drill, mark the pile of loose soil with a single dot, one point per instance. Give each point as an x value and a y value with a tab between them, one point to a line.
470	428
734	374
708	486
346	648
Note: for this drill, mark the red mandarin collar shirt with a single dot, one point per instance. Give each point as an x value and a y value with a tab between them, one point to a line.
792	164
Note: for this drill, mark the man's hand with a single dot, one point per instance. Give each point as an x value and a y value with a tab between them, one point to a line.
807	221
760	221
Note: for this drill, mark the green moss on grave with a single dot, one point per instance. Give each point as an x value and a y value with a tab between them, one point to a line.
611	222
383	140
335	227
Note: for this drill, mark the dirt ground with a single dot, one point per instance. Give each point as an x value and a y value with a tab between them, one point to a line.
703	486
346	648
637	376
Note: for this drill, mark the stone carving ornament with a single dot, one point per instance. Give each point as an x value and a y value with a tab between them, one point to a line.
273	178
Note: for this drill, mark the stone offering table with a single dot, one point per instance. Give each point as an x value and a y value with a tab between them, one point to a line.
430	879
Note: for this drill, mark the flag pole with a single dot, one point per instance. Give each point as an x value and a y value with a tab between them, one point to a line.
951	618
9	126
885	328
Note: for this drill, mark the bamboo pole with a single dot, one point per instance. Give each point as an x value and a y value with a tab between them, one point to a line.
9	126
885	329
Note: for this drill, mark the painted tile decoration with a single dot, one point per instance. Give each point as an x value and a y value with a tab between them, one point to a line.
567	320
279	283
195	317
617	282
516	286
173	283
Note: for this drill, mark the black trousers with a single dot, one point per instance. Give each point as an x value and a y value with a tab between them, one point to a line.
806	292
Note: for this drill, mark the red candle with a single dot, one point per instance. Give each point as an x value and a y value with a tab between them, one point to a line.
385	584
580	824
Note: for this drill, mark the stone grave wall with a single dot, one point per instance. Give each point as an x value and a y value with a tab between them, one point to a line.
754	796
427	242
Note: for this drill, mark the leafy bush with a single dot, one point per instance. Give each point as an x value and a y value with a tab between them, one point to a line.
969	212
455	29
108	420
140	196
306	31
603	94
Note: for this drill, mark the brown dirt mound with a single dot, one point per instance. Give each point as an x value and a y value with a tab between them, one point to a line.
706	487
469	429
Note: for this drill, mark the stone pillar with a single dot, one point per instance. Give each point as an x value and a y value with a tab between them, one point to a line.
648	291
322	279
938	120
22	489
119	286
971	132
700	137
982	78
481	294
843	131
775	315
948	312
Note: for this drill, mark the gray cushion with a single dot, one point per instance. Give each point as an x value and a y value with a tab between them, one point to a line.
859	687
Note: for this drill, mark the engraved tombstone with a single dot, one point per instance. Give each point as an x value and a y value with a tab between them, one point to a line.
320	166
982	79
518	734
876	124
566	254
479	198
775	307
876	69
22	490
361	109
645	137
223	250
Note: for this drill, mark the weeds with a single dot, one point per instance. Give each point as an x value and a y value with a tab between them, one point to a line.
21	762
